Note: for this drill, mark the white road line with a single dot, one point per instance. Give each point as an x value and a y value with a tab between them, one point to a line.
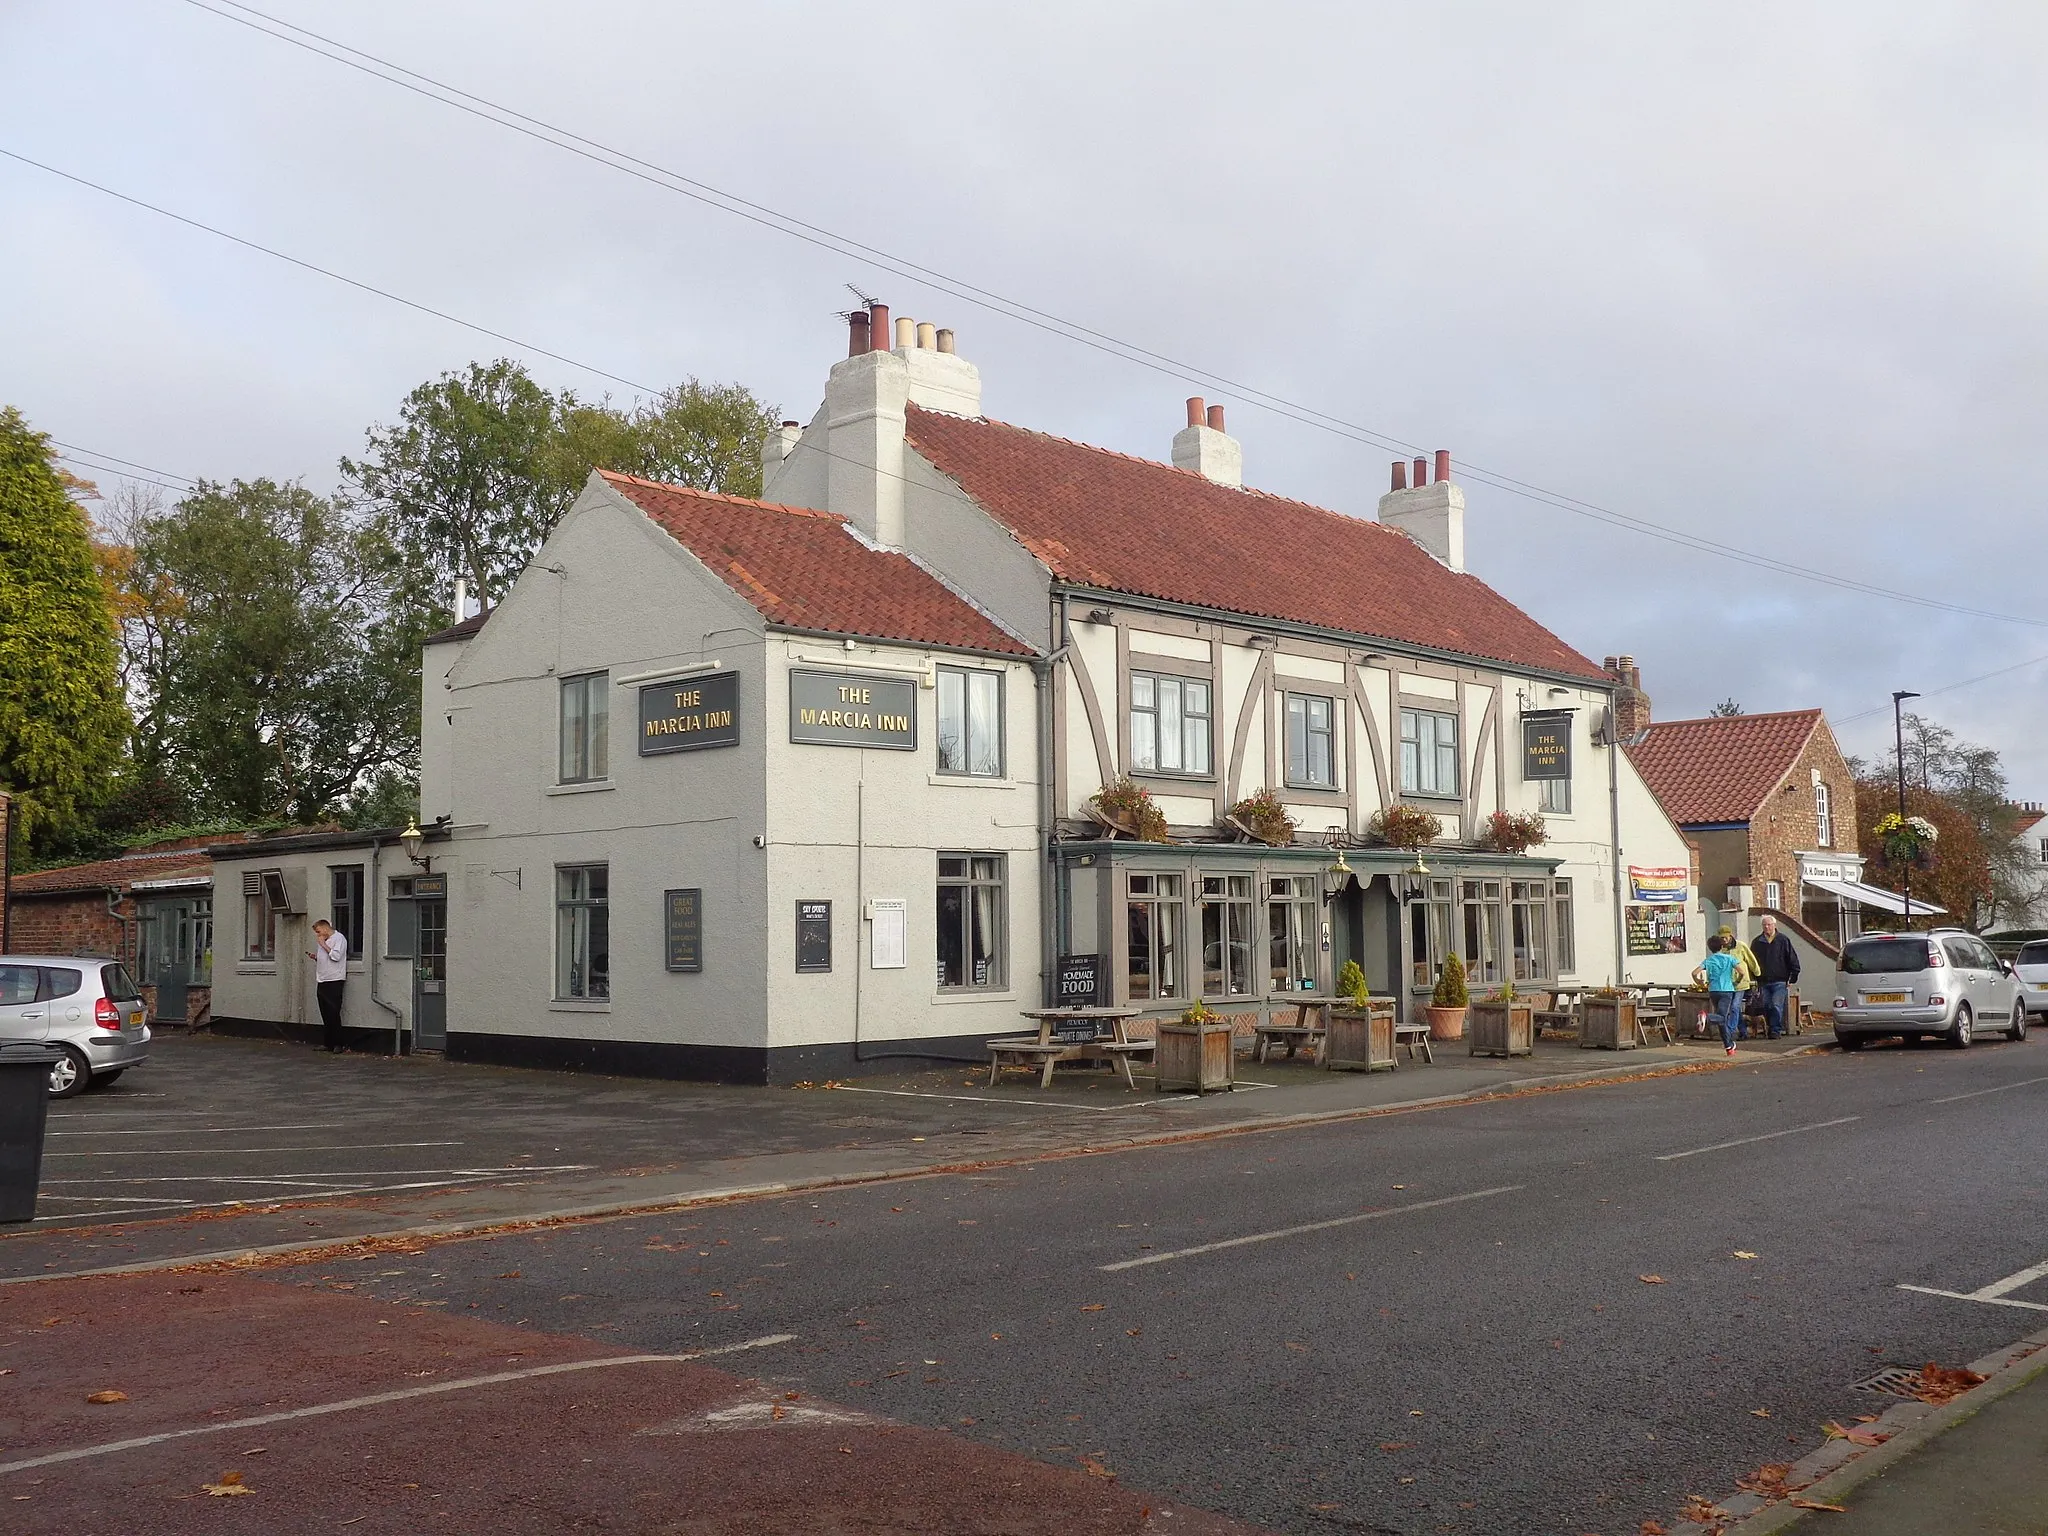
210	1130
288	1178
377	1399
1312	1226
1956	1098
1996	1293
117	1199
365	1146
962	1098
1722	1146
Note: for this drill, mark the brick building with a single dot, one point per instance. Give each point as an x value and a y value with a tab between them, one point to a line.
151	908
1770	802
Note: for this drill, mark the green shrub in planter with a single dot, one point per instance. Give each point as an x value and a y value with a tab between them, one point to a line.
1450	984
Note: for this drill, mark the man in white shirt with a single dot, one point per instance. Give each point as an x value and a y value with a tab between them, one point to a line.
330	970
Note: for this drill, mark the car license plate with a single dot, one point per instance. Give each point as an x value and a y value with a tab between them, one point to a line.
1884	997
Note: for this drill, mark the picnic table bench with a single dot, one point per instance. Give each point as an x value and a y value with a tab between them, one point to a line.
1302	1032
1070	1034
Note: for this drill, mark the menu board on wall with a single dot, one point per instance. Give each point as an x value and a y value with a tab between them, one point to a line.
1654	929
683	929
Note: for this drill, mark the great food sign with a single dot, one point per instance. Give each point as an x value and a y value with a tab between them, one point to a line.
849	709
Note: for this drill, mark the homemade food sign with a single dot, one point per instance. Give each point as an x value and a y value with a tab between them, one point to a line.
848	709
690	713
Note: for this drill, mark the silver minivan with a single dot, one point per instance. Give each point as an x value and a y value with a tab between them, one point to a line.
2030	970
1945	983
90	1008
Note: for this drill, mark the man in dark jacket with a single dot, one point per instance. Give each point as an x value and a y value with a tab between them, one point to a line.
1777	964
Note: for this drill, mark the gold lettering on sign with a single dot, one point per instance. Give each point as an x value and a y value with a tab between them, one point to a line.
689	698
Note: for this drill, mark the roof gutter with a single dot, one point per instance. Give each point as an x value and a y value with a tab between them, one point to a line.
1353	638
840	637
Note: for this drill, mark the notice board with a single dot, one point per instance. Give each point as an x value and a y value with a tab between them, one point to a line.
813	936
682	927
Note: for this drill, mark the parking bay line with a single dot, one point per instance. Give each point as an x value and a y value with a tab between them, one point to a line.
1722	1146
1956	1098
304	1177
1312	1226
210	1130
1996	1293
365	1146
378	1399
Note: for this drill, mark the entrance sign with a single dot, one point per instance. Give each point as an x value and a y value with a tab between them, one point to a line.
813	936
1547	746
1654	930
690	713
430	885
682	927
1080	977
1657	884
849	709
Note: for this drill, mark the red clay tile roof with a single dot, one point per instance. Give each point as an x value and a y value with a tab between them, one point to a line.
806	570
2027	819
461	631
1106	520
113	874
1722	768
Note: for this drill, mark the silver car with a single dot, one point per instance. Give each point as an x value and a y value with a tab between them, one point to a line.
90	1008
2030	970
1945	983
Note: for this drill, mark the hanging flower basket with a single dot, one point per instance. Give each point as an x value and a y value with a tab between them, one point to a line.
1263	817
1908	841
1405	826
1129	808
1513	832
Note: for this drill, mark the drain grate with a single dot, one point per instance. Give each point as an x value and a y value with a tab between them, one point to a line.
1892	1381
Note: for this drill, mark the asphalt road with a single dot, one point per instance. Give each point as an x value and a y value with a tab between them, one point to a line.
1460	1338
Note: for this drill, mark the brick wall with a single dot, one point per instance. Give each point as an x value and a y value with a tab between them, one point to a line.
1785	824
75	923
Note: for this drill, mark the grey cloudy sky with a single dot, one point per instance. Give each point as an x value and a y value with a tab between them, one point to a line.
1770	274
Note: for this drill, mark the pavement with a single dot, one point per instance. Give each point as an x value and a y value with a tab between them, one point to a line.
222	1146
1545	1312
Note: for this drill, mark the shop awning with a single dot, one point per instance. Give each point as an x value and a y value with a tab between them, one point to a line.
1876	896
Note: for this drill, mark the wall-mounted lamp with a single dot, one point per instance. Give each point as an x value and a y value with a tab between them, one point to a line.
1100	616
1560	693
411	840
1372	656
1336	877
1415	880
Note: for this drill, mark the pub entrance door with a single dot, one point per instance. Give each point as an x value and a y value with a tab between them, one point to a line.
170	935
430	965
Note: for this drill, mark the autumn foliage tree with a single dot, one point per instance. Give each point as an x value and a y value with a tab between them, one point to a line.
62	720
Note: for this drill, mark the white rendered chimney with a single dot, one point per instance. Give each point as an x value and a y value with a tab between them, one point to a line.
940	379
775	448
1205	448
1432	513
865	396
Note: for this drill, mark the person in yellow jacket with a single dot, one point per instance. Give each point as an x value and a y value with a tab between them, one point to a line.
1747	972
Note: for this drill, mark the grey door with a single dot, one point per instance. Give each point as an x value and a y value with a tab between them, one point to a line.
21	1016
430	975
173	959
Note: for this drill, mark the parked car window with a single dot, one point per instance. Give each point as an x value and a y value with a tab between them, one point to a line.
1986	959
1961	953
117	983
60	981
18	984
2035	953
1872	957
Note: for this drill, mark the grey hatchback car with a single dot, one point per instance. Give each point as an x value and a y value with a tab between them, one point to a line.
90	1008
1945	983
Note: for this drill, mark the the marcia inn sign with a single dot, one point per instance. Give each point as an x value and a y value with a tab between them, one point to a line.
847	709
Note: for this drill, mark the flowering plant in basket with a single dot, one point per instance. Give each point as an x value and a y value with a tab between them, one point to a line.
1130	806
1265	818
1907	839
1514	831
1405	826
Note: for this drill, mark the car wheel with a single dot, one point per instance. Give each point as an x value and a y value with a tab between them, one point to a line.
1849	1042
1959	1032
2018	1031
71	1075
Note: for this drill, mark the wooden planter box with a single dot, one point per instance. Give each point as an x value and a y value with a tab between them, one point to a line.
1695	1014
1501	1029
1361	1040
1195	1058
1607	1023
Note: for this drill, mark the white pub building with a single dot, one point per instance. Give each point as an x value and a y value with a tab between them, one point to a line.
773	790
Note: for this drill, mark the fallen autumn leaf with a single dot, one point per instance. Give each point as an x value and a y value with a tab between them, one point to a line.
229	1486
1840	1509
1651	1279
108	1396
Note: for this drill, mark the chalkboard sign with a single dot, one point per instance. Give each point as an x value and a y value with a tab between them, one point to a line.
1080	981
682	926
813	936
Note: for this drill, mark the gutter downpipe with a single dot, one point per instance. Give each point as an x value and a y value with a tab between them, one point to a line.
370	900
1614	841
1054	920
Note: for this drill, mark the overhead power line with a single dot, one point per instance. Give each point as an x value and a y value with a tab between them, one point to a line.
703	192
115	465
1981	677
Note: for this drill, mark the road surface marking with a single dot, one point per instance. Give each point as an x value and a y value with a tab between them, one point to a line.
2001	1088
288	1178
1996	1293
962	1098
367	1146
377	1399
209	1130
1312	1226
1722	1146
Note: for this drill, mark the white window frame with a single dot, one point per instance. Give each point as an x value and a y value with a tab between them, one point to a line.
1149	694
1823	817
1774	895
583	732
1414	746
974	758
1554	797
1299	770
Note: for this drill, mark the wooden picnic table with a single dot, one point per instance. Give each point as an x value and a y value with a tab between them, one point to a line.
1314	1033
1045	1052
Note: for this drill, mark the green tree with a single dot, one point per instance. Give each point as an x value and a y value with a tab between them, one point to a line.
1726	709
284	675
62	719
705	435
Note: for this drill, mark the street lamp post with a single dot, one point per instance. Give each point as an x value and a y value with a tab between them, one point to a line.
1899	759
